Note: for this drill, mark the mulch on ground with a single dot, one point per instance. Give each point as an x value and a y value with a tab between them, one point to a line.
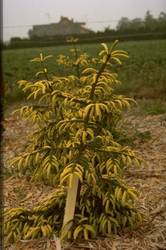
149	138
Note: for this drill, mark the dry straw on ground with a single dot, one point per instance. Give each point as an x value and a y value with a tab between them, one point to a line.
151	182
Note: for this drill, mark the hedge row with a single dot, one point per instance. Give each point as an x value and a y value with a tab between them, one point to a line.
92	38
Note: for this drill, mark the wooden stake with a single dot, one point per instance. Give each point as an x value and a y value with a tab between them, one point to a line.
70	203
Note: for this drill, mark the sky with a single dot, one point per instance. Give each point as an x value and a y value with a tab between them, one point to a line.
20	15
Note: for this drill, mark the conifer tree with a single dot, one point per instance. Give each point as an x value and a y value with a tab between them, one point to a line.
76	121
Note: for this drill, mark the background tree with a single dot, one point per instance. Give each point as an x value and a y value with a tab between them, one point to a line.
162	22
124	23
30	33
150	23
136	24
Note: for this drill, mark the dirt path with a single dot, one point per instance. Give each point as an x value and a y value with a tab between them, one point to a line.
150	139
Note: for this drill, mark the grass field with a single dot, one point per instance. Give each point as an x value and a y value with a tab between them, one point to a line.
143	75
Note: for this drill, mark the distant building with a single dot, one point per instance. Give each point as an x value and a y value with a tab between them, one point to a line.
64	27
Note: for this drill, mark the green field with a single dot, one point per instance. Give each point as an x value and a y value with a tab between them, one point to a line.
143	75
